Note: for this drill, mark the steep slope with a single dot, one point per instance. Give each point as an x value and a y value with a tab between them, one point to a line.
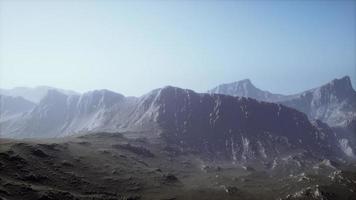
11	106
238	128
333	103
33	94
245	88
58	114
218	126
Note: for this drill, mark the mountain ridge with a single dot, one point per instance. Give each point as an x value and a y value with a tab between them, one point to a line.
33	94
245	88
332	102
235	128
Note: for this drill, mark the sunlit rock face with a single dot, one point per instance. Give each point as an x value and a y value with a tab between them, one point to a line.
333	103
245	88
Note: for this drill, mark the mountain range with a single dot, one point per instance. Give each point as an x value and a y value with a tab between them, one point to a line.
33	94
233	142
240	124
333	103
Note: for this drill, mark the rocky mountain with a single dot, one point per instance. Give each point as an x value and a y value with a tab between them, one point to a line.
333	103
33	94
237	127
58	114
13	106
219	126
245	88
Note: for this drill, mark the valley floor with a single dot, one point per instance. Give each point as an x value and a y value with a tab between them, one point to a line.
110	166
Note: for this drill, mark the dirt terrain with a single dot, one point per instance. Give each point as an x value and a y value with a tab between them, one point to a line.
111	166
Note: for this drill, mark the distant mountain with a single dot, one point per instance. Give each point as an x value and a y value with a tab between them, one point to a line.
216	125
13	106
245	88
58	114
32	94
333	103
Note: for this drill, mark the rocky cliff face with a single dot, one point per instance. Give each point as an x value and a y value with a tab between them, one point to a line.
58	114
218	126
333	103
245	88
13	106
238	128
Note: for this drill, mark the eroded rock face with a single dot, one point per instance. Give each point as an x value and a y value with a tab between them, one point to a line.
11	107
219	125
237	128
245	88
333	103
58	114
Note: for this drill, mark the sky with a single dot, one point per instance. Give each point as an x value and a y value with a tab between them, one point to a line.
132	47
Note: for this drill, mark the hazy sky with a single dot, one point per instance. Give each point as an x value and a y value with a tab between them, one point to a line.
134	46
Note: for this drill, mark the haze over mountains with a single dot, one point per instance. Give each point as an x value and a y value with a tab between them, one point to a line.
235	130
238	126
333	103
245	88
32	94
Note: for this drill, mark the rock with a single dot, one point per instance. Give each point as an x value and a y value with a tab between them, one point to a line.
134	149
84	143
134	188
66	163
170	178
115	171
39	153
133	197
34	177
249	168
230	189
55	195
52	147
157	170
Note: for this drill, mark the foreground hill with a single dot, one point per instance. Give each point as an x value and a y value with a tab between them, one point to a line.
105	166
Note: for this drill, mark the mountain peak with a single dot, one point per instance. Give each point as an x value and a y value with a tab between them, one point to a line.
54	93
34	94
51	96
103	92
344	82
245	88
333	102
341	88
247	80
